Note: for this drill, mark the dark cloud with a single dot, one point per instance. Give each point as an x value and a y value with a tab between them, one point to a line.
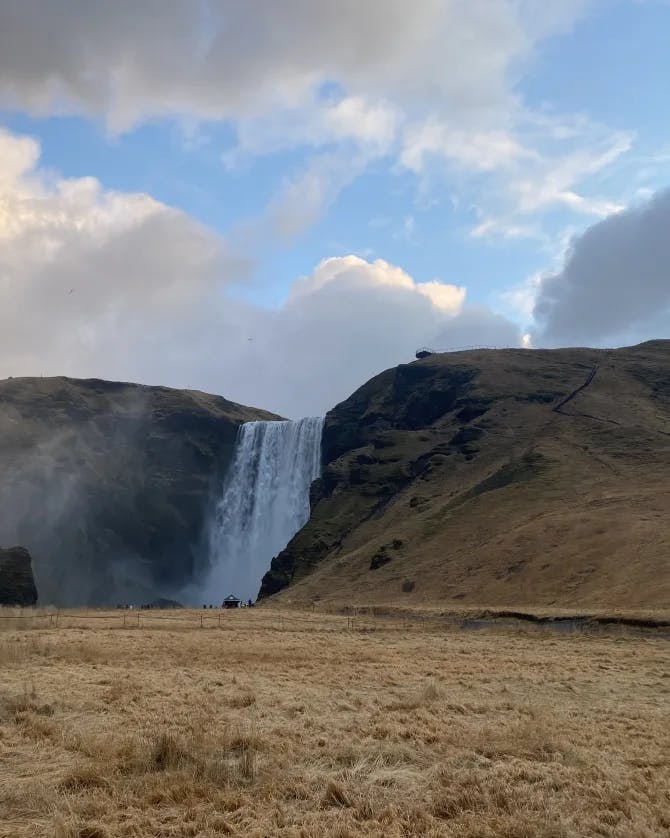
228	59
614	286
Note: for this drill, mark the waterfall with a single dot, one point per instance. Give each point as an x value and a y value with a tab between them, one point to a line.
265	501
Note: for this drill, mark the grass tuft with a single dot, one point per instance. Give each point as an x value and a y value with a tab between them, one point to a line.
167	753
335	795
82	778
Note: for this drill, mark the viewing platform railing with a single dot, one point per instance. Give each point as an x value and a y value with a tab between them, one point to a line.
424	351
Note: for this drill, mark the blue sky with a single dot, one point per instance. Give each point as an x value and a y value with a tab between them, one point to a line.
379	215
268	176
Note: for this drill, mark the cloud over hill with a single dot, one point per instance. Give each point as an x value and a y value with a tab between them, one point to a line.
118	285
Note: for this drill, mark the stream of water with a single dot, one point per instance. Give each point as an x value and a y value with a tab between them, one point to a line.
265	501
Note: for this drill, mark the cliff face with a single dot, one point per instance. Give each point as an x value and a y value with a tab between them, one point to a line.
508	477
17	586
109	485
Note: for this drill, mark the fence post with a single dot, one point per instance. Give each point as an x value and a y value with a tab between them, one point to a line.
219	620
124	620
138	619
201	621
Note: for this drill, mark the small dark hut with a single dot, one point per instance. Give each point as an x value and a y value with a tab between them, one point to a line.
231	602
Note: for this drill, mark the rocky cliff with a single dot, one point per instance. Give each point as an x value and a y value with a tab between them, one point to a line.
109	485
17	585
508	477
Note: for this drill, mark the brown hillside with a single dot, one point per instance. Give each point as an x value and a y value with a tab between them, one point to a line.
496	477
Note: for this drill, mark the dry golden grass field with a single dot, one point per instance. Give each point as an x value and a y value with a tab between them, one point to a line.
293	724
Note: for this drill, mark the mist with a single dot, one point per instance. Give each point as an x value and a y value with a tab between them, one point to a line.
109	486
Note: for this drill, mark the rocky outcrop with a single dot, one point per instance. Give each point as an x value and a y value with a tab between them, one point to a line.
494	477
109	485
17	586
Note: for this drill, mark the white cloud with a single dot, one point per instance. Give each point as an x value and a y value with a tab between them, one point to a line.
445	298
348	121
353	117
118	285
478	151
433	84
19	157
504	228
433	79
80	266
554	183
521	298
302	199
221	59
562	172
613	286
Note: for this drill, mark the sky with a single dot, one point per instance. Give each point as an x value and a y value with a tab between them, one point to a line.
276	201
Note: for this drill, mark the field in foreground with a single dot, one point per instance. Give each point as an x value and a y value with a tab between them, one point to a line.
292	725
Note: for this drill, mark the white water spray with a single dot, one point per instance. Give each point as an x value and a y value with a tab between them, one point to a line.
265	502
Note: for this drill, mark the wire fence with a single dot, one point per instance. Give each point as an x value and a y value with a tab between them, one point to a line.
364	622
238	619
429	350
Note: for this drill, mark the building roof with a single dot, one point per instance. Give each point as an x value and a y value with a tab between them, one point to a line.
231	598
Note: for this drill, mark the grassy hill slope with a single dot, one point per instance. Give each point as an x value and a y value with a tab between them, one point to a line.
495	477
